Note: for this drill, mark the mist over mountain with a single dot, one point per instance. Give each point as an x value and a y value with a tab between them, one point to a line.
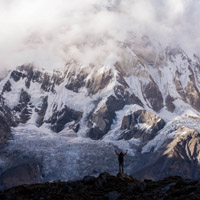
52	33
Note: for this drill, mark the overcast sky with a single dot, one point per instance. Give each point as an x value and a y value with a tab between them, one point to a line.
49	33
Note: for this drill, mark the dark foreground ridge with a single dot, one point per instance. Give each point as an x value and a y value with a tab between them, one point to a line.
108	187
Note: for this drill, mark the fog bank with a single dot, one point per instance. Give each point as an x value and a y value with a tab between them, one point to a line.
49	33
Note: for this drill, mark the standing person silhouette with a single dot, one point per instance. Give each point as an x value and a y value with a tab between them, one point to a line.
121	160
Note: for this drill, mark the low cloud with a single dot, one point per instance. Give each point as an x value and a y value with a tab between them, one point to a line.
50	33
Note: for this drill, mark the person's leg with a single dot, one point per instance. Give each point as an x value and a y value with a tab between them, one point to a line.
122	168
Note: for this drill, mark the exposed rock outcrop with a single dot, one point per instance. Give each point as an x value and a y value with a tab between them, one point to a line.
5	131
31	75
178	157
76	81
16	75
193	95
153	95
7	87
141	124
169	103
42	111
7	115
60	118
99	82
24	107
81	78
101	120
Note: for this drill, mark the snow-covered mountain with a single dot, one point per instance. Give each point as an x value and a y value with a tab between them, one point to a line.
67	123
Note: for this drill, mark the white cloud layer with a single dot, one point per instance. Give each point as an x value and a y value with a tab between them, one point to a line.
49	33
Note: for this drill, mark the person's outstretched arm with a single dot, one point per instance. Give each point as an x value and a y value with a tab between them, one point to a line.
125	153
116	153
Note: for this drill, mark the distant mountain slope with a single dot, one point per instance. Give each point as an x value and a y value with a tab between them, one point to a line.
138	101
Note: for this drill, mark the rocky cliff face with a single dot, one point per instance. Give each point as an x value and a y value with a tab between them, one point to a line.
5	131
141	124
178	156
153	86
136	102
